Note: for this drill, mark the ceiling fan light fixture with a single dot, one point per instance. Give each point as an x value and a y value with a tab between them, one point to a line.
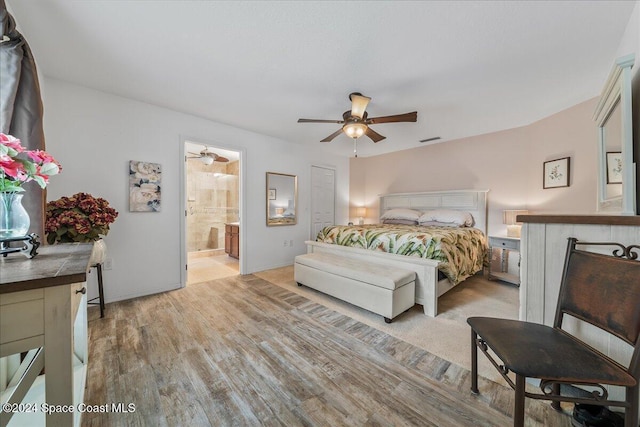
355	130
358	104
207	160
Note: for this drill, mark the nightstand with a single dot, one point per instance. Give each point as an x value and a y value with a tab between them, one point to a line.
504	263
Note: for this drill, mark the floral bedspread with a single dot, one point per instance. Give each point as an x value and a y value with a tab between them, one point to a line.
462	251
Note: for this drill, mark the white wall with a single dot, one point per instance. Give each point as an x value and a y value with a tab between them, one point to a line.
508	163
94	135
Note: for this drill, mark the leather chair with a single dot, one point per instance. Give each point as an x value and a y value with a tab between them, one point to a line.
599	289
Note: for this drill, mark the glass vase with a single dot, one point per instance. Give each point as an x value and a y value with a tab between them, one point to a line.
14	219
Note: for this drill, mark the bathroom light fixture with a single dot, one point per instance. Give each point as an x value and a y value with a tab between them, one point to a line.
207	160
509	218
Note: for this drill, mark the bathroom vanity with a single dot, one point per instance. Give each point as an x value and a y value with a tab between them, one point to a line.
232	239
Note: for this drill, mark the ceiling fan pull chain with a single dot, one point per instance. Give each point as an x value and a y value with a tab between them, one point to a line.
355	147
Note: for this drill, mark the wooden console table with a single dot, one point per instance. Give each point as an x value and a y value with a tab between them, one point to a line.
43	314
543	249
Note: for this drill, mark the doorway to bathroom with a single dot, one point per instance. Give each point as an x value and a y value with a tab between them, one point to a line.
212	212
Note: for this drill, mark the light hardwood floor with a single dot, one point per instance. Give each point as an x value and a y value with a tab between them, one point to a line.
241	351
203	268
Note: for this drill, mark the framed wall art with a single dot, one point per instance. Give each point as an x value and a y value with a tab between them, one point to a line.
614	167
144	186
556	173
272	193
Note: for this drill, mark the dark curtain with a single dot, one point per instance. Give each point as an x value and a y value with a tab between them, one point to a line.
21	106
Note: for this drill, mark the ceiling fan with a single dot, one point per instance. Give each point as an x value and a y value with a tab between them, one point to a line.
356	122
208	157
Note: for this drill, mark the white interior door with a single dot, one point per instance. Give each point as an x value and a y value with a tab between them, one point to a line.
323	199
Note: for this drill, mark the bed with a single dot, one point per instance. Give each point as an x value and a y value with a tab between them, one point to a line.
434	277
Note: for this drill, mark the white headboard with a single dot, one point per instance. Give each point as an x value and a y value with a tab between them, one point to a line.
473	201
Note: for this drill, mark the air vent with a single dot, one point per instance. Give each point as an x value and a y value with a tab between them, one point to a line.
430	139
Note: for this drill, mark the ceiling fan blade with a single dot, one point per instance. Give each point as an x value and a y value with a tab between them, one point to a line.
332	136
375	136
359	103
319	121
221	159
406	117
194	154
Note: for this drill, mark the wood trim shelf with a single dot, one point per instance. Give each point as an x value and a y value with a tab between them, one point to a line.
580	219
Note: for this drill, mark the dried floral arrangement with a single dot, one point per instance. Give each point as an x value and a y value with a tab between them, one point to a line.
79	218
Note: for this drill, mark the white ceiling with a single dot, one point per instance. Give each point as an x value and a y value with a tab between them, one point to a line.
467	67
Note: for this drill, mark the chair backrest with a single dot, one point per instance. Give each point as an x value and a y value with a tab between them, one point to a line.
604	291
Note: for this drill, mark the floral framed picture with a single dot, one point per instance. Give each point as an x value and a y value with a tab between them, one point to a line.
556	173
614	167
272	194
144	186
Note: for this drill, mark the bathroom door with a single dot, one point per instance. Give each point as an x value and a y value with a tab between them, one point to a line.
323	199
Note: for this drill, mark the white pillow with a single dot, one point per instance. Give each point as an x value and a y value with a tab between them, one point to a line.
407	214
463	219
400	221
440	224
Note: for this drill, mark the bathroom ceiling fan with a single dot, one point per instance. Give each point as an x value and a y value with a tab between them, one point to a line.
208	157
356	122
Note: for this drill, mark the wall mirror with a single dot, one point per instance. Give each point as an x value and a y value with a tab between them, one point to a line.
616	169
282	195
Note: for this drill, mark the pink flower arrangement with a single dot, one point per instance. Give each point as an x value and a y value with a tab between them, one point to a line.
79	218
19	166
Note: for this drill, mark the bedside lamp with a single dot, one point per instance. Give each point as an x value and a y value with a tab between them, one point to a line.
279	211
509	218
361	212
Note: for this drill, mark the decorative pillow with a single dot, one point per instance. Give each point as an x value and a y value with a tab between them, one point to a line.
440	224
463	219
408	214
400	221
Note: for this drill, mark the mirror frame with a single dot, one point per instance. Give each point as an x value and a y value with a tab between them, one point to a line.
285	221
617	92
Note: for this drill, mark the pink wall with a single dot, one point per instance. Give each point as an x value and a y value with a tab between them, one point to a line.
508	163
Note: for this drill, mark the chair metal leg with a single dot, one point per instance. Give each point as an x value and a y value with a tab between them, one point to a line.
474	363
100	289
555	389
518	407
631	413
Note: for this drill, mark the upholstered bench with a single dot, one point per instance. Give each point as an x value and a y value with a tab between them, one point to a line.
387	291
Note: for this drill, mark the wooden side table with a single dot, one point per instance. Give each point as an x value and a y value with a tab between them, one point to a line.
509	248
43	313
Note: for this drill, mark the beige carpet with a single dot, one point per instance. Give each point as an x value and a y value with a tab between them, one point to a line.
446	335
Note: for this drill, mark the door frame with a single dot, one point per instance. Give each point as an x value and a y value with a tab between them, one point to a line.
183	200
